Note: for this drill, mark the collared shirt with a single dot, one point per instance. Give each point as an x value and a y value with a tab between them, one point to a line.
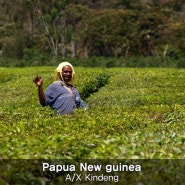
64	101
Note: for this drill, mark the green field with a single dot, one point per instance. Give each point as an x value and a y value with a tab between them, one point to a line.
138	114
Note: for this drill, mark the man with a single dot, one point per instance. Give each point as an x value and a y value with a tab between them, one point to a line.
60	95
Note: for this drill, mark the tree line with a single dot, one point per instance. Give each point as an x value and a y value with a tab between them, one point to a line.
87	28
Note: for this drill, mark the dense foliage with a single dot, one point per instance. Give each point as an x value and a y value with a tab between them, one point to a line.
34	32
133	114
138	113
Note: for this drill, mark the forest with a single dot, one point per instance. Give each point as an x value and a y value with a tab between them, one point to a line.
37	32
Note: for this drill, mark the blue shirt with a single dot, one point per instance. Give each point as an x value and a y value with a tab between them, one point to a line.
61	99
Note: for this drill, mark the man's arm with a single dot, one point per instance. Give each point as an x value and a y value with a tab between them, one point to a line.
41	95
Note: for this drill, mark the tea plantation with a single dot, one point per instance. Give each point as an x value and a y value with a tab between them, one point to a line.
133	113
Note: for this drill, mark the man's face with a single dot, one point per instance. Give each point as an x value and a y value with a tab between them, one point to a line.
67	73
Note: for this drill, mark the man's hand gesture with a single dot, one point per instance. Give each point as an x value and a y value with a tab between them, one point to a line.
38	81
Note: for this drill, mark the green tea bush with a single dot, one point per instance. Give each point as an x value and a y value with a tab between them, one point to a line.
94	85
136	113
